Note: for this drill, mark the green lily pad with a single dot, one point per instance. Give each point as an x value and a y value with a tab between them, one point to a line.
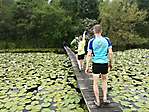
35	102
20	108
46	110
28	107
48	100
4	110
1	106
45	104
36	108
27	101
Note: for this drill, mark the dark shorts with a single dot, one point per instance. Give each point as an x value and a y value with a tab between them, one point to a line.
98	68
81	57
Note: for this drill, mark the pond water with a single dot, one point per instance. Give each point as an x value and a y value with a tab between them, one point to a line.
38	82
129	80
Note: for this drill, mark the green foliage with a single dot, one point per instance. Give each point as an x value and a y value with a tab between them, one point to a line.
88	23
83	12
119	19
41	23
70	6
81	8
129	79
37	24
6	18
143	29
38	82
55	50
143	4
88	9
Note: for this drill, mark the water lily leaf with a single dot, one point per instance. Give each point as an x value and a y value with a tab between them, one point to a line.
139	104
4	110
71	106
29	95
48	100
133	109
28	107
77	100
20	108
136	97
36	108
27	101
1	106
65	110
34	102
2	97
80	110
125	103
127	110
45	104
46	110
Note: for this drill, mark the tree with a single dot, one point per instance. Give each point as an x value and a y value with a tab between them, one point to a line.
88	9
143	28
70	6
81	8
39	24
5	17
143	4
119	19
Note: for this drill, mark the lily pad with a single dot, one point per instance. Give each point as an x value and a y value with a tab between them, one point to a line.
46	110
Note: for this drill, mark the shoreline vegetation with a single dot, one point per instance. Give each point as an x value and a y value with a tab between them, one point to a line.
37	24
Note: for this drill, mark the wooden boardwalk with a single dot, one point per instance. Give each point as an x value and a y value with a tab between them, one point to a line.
85	84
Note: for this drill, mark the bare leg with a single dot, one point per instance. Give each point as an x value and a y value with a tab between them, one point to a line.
104	86
80	64
78	60
95	87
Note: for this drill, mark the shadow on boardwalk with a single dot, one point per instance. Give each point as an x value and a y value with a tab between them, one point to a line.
85	84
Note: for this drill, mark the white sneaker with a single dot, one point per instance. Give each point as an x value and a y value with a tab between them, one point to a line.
106	101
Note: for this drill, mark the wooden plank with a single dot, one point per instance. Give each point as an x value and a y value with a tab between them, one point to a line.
85	84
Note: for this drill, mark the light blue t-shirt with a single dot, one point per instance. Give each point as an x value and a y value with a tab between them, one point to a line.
99	47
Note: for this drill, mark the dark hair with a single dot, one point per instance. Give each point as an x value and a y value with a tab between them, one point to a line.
80	38
97	28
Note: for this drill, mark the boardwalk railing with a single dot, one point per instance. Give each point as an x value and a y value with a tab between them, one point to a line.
85	84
